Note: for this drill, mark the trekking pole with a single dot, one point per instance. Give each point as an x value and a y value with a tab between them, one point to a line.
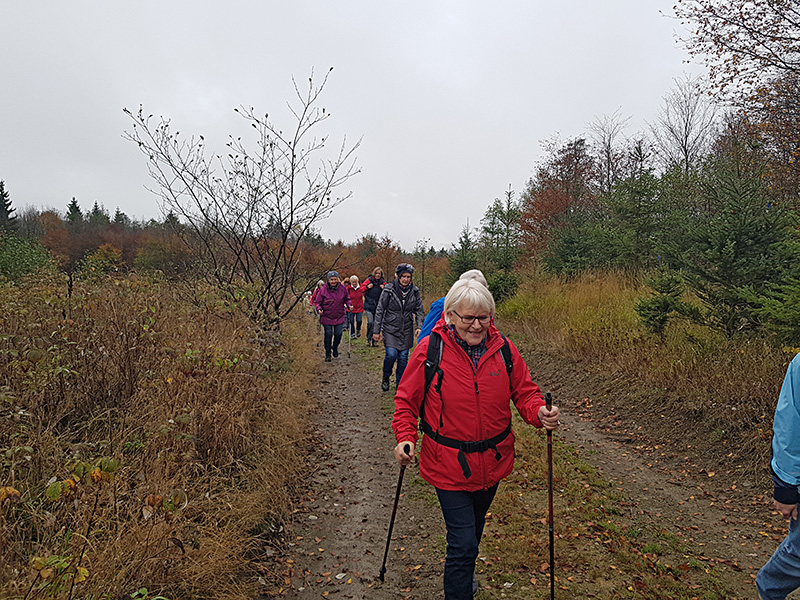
406	449
548	398
349	337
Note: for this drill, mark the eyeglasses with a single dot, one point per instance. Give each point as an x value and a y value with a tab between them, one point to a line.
470	319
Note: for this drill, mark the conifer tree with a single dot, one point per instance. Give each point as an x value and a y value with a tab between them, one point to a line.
98	217
120	218
74	216
8	220
465	255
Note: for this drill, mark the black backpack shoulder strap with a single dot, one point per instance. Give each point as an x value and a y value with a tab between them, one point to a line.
505	350
433	358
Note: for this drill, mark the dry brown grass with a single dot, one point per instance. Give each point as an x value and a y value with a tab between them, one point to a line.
165	434
719	394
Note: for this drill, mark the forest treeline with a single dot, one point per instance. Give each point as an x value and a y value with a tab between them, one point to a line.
702	204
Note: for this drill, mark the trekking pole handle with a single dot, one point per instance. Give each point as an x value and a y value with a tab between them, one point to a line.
407	450
548	400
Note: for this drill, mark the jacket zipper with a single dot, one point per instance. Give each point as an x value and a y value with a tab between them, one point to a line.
480	420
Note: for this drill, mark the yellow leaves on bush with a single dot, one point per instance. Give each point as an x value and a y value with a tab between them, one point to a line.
96	475
61	569
9	494
59	490
169	506
152	503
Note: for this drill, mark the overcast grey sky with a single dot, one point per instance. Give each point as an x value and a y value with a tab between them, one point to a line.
451	97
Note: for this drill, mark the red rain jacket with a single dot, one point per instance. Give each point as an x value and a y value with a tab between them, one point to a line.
356	298
474	406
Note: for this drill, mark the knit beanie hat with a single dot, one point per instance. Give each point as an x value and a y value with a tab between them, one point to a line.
404	268
333	274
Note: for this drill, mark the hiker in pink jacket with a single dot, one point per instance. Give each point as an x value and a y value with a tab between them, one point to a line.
332	303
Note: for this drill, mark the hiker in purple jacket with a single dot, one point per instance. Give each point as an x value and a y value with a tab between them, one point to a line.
332	303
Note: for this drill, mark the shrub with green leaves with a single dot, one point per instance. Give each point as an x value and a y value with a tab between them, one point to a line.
106	259
19	257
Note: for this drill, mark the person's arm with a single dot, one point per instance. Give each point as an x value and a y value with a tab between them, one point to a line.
784	464
318	300
784	493
379	310
431	318
348	303
407	403
420	315
528	397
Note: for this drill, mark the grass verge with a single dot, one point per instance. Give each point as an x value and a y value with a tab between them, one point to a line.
148	435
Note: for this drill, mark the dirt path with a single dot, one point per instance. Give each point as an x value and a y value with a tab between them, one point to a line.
337	537
720	518
338	534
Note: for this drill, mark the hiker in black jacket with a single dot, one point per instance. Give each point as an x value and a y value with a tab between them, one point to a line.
372	288
398	318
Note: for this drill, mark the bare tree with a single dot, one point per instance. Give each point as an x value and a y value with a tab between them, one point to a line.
606	133
249	211
686	125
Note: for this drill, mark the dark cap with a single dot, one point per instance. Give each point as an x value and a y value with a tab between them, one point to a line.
404	268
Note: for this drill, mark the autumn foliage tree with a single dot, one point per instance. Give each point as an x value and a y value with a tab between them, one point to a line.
752	50
743	42
563	184
387	256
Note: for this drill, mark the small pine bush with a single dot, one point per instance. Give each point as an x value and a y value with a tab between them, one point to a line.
503	285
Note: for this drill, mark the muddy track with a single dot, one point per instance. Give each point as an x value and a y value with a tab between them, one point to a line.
336	538
338	533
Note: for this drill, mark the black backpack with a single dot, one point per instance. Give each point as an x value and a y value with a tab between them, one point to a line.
433	358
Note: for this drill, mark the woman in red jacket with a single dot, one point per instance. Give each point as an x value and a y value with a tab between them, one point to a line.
356	315
468	401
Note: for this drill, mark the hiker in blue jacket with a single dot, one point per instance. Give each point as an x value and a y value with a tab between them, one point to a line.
437	306
781	575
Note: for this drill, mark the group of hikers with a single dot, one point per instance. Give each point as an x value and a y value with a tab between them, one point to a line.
394	313
456	388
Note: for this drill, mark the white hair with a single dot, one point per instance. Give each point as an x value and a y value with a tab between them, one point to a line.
475	274
468	294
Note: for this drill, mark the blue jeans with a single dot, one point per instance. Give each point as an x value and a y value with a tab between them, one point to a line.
333	335
392	355
781	574
464	515
354	321
370	323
